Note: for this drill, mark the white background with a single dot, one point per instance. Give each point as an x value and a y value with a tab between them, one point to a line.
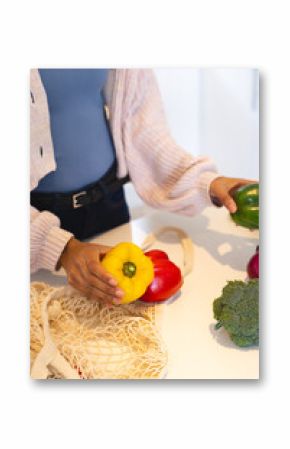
215	112
201	414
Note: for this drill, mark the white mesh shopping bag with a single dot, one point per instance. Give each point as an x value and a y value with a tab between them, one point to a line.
73	338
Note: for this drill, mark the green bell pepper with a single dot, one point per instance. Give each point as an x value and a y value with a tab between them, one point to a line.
247	201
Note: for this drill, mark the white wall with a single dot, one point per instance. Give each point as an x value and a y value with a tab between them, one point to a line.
215	112
229	120
180	93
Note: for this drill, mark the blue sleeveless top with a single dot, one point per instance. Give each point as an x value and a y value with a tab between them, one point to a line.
83	147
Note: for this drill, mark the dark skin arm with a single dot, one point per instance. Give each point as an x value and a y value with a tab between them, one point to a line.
222	188
82	263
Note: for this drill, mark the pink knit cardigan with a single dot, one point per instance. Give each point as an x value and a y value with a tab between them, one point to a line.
163	174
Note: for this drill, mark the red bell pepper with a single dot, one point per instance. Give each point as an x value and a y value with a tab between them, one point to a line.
167	278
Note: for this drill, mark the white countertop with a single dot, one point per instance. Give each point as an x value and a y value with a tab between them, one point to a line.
221	253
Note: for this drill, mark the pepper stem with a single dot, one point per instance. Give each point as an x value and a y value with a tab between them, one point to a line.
129	269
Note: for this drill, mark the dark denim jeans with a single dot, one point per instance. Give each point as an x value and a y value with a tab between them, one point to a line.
93	219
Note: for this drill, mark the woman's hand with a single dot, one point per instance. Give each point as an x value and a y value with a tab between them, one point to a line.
222	188
81	262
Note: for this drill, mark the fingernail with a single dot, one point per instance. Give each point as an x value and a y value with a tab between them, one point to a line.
119	292
113	282
117	301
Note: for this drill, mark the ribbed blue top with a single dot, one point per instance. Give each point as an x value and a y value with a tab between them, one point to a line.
82	142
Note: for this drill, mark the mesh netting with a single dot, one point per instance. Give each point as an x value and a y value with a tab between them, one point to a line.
74	338
98	341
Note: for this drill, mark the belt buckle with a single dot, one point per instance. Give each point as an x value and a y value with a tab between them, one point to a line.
75	198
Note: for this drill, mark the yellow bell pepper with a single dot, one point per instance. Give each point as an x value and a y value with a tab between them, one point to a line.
133	271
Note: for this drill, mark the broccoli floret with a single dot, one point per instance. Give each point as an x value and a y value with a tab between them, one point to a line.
237	310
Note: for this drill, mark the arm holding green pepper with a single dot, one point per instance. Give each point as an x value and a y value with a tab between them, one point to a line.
222	191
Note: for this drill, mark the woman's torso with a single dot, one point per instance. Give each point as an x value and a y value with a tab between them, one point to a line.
83	146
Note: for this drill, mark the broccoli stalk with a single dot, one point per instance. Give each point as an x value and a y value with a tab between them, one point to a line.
237	310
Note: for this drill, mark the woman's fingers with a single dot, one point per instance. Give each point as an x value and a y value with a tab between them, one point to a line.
103	249
96	269
94	280
230	204
75	279
96	294
224	197
227	200
237	183
222	190
81	262
93	293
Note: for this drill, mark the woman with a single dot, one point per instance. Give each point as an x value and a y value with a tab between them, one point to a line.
92	129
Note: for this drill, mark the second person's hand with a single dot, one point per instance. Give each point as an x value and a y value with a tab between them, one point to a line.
81	262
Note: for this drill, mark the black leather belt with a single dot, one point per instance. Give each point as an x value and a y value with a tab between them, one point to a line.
107	185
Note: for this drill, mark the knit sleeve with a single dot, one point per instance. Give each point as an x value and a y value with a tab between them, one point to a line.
47	240
164	174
